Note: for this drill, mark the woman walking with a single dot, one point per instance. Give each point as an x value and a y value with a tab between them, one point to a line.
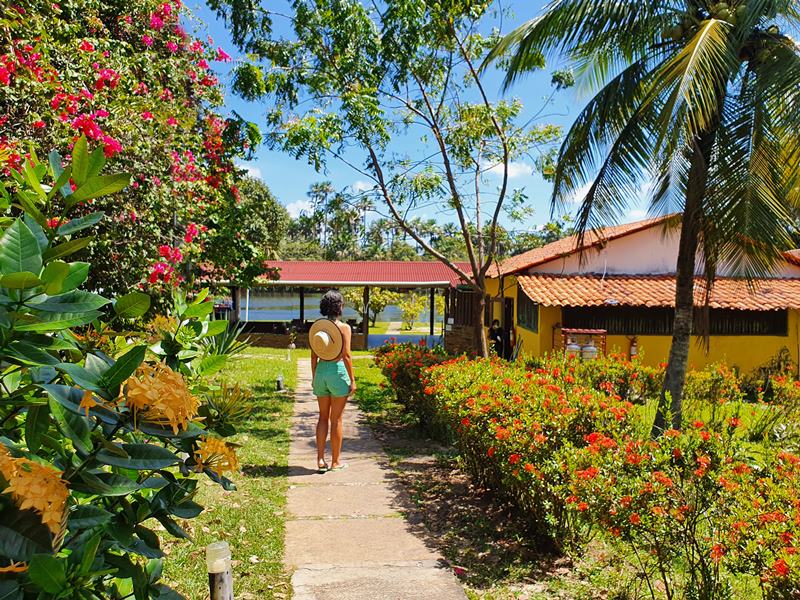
332	376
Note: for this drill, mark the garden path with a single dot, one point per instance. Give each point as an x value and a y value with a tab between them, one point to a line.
346	538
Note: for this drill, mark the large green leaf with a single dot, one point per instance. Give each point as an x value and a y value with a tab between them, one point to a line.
37	422
85	379
53	277
22	280
80	160
57	321
78	273
132	305
31	354
22	534
87	516
96	187
48	573
73	426
123	368
76	225
66	248
105	484
37	231
74	302
19	250
140	457
10	590
211	364
198	310
215	328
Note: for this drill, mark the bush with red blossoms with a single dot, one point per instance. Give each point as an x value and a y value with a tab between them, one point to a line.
139	87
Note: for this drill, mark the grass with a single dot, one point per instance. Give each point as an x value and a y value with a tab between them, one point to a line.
251	519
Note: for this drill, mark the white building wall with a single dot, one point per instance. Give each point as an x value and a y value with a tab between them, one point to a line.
653	251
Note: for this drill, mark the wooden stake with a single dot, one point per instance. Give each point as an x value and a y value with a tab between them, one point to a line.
220	578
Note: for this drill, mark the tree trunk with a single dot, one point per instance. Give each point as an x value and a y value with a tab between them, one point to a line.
480	331
670	402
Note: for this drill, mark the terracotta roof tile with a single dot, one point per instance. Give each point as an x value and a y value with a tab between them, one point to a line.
657	290
366	272
569	245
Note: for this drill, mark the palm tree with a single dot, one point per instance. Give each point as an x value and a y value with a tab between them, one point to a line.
699	98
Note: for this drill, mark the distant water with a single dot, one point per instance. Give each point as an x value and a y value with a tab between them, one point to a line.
285	307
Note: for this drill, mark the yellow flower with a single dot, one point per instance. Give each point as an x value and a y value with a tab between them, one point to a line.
88	402
216	455
36	487
162	324
157	394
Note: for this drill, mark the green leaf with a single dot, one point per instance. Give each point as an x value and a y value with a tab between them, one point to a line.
56	321
32	180
75	302
86	516
31	354
198	310
78	273
48	573
22	534
37	422
80	160
140	457
96	187
19	250
125	366
132	305
97	159
211	364
66	248
10	590
89	552
73	426
81	377
37	231
215	328
76	225
53	277
105	484
23	280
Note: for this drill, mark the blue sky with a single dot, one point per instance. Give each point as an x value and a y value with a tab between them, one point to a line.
289	179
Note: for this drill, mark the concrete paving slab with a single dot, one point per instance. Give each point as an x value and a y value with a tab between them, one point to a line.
361	470
423	580
377	540
340	501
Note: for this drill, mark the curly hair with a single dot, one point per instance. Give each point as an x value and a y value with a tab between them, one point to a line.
332	304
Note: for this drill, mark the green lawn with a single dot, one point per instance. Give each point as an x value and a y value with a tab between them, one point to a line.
251	519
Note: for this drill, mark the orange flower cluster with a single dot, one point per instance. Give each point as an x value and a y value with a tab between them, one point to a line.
217	455
36	487
157	394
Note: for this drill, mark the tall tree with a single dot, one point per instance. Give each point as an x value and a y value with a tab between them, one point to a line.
357	77
700	96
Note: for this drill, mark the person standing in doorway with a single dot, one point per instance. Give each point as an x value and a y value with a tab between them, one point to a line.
332	376
496	336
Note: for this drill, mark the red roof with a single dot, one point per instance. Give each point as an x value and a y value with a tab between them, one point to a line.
657	290
390	273
569	245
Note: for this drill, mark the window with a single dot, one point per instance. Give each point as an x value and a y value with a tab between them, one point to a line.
642	320
527	311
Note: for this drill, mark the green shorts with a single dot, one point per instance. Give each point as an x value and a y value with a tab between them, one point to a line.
331	379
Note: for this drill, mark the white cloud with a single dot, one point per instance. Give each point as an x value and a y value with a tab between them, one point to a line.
515	169
637	214
252	170
297	207
580	194
361	186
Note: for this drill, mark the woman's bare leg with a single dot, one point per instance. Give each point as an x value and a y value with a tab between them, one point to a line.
337	408
322	426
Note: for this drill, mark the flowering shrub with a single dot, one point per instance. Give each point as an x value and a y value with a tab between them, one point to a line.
95	445
140	88
403	365
710	388
618	375
514	429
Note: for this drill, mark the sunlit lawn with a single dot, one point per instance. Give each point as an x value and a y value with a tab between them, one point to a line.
251	519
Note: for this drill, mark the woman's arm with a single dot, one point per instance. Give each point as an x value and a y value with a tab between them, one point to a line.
347	356
313	363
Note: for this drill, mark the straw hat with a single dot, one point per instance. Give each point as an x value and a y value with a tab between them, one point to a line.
325	339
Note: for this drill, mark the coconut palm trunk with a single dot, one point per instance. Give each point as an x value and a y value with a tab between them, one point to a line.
671	401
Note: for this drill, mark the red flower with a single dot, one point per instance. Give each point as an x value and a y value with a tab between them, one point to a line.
635	519
86	46
223	56
717	552
780	568
514	458
582	506
39	124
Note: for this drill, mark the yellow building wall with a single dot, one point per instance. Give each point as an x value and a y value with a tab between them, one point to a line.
743	352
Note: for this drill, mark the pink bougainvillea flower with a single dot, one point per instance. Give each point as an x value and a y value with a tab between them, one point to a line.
223	56
156	22
147	40
106	78
147	116
5	76
39	124
141	89
111	146
172	121
172	46
86	46
196	46
203	63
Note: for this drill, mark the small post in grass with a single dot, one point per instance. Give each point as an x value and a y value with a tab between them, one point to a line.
220	578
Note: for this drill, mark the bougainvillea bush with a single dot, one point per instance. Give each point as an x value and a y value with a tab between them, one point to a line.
100	430
703	513
130	78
